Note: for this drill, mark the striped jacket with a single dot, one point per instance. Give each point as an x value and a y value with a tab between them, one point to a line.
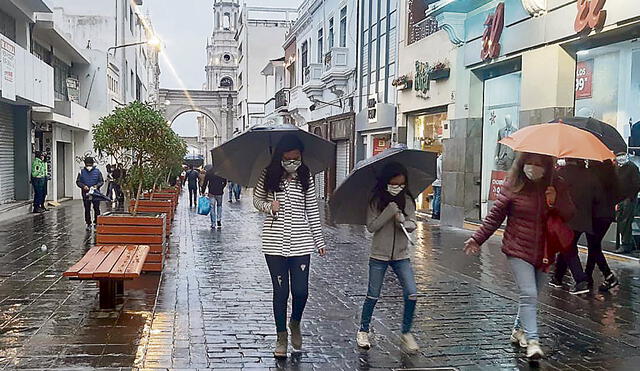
296	230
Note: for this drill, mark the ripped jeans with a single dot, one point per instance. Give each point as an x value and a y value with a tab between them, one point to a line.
402	269
294	269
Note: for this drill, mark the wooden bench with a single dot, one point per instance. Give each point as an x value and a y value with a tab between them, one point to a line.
110	266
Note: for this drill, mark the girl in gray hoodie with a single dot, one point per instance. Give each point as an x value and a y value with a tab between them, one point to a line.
391	209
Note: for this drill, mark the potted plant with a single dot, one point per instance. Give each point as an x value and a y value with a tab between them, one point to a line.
440	71
402	82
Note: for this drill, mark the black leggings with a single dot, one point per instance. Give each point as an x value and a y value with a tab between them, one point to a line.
594	242
281	268
193	196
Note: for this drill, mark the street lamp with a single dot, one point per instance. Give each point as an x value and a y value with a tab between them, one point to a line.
153	42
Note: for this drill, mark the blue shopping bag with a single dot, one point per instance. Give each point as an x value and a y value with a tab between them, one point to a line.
204	205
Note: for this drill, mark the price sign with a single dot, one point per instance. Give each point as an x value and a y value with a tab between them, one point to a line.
497	182
584	79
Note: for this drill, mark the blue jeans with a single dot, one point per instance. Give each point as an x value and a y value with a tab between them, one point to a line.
234	191
530	281
39	192
216	209
402	269
437	200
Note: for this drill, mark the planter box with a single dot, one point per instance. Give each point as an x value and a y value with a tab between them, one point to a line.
440	74
156	206
164	196
142	229
405	86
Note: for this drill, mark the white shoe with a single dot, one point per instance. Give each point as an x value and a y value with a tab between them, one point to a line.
362	338
534	352
519	337
409	343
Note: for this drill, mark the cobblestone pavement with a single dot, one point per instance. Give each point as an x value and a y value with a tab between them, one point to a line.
211	307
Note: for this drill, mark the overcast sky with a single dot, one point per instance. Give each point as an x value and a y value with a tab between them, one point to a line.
184	27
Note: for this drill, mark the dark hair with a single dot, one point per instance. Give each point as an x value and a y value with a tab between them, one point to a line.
381	197
275	172
88	160
518	180
606	174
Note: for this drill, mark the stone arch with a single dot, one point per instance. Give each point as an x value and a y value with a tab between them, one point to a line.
173	114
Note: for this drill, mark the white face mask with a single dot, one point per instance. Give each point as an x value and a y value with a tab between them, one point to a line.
89	168
533	172
394	189
291	166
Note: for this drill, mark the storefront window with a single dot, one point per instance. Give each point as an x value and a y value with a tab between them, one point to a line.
427	136
380	143
501	113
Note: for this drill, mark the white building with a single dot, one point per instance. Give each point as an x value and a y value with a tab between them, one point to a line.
260	34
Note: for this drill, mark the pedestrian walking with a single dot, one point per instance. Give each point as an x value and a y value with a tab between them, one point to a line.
90	178
437	190
629	186
526	200
583	183
192	177
285	192
39	182
214	186
392	208
235	190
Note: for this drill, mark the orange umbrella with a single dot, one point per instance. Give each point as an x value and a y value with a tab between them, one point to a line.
560	141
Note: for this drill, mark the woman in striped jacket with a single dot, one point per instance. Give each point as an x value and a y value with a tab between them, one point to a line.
291	232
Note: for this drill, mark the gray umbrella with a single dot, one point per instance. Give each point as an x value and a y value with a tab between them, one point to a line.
243	158
350	201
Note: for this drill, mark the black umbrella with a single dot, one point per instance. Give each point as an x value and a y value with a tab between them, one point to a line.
96	195
607	134
350	201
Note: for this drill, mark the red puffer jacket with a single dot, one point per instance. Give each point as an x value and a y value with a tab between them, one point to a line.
526	213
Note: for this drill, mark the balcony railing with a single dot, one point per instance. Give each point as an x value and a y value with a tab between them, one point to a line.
282	98
337	57
422	29
312	73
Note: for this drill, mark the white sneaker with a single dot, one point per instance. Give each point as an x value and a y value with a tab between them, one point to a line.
362	338
409	343
519	337
534	352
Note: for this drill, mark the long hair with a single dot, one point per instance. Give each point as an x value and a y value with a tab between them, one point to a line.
275	172
517	178
381	198
606	174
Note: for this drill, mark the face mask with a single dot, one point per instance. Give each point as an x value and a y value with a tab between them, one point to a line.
394	189
533	172
89	168
291	166
622	160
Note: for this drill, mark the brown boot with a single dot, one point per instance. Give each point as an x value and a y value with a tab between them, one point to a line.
296	335
281	345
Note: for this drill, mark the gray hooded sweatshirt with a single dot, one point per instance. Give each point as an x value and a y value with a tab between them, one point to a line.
389	241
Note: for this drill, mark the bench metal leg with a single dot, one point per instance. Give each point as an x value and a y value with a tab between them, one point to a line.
120	288
107	294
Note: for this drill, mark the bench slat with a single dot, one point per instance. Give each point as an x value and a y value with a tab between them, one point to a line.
135	266
104	269
98	258
121	266
77	267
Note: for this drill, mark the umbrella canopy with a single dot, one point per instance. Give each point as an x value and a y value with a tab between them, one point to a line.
560	141
607	134
243	158
350	201
96	195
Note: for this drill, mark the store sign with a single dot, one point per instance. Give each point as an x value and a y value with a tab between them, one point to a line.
371	109
492	33
73	89
584	79
591	15
497	182
421	83
7	68
380	144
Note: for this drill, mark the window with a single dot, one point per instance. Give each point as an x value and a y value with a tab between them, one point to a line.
320	45
226	82
226	21
60	73
124	78
133	84
227	58
42	53
330	35
7	26
305	60
343	27
131	21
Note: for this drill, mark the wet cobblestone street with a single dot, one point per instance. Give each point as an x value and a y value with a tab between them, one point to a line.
211	307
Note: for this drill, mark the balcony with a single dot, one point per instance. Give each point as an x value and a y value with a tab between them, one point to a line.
65	113
422	29
313	86
282	99
32	79
337	72
269	107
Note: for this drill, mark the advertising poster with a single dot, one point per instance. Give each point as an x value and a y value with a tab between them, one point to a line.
8	68
584	79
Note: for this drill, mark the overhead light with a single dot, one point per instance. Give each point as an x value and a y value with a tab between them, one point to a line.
154	42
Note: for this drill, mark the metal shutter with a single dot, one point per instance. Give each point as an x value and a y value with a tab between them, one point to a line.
7	186
320	186
342	161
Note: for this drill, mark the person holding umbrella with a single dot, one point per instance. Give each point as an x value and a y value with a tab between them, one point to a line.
528	197
285	192
392	208
90	178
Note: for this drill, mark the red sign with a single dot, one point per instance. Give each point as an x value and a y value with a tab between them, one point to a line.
584	79
492	33
497	182
590	15
380	144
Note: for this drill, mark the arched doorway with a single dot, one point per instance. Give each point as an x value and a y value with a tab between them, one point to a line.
199	130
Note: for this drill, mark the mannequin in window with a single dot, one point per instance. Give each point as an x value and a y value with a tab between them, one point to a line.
504	154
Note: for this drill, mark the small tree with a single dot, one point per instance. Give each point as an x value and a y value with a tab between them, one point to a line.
138	137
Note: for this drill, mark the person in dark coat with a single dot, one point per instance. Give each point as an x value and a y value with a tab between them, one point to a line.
629	186
582	182
214	186
192	182
90	178
525	201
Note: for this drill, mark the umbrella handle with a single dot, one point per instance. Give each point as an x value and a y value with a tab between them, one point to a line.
406	233
274	215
